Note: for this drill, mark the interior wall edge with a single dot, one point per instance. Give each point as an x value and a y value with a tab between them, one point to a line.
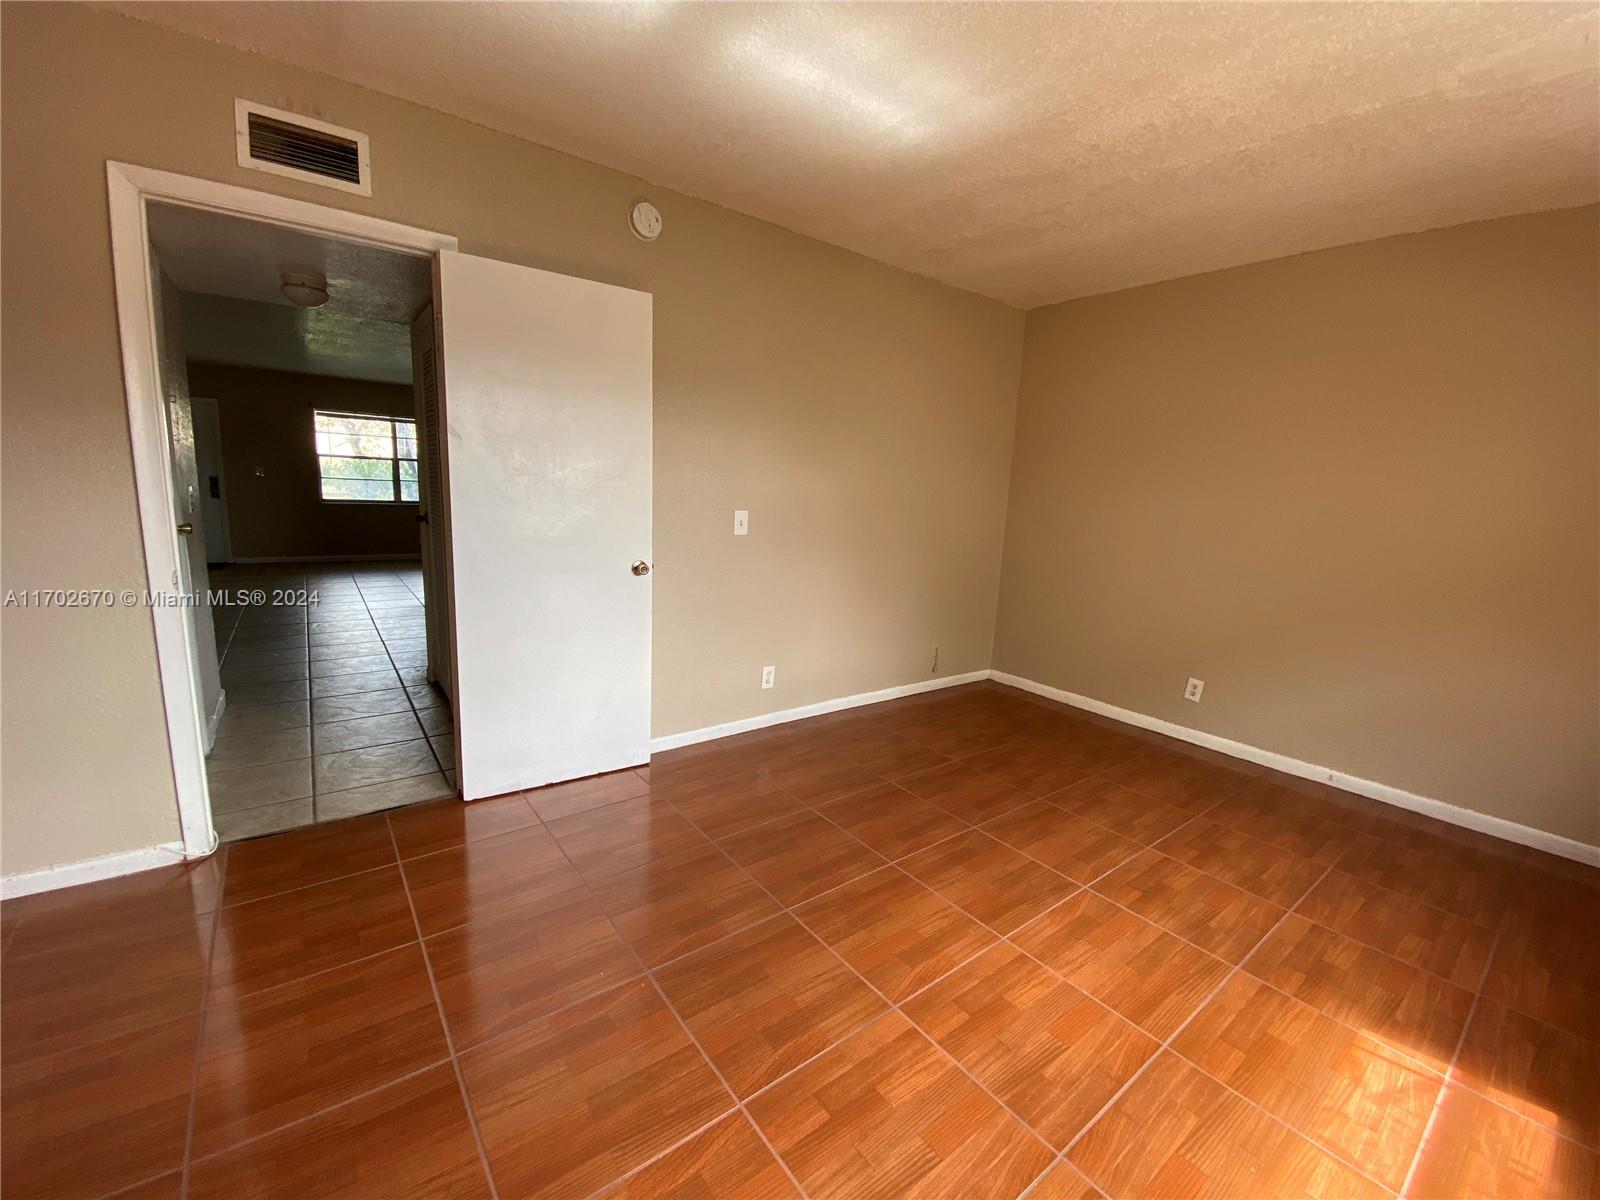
1443	810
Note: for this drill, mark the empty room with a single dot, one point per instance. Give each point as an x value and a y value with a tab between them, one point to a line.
852	600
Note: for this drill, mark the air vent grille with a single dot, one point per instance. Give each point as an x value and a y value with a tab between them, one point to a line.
304	149
285	143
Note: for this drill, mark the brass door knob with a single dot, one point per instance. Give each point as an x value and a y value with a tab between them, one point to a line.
640	567
185	527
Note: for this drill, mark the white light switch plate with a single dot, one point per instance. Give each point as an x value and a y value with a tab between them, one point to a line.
741	522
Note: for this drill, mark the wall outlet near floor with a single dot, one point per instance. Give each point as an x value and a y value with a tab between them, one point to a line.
741	522
1192	689
769	676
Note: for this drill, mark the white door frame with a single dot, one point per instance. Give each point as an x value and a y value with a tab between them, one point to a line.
130	189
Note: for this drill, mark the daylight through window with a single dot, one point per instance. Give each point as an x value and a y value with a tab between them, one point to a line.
367	458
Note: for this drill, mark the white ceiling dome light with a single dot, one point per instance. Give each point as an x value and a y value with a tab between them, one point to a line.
305	290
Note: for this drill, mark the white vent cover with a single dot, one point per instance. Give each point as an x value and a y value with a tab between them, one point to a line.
285	143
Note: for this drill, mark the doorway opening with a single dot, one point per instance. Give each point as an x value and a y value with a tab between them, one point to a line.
294	368
535	552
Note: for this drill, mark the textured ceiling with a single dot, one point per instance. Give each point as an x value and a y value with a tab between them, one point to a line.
309	341
221	255
1030	152
230	271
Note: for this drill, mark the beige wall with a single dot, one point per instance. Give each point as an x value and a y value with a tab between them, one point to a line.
266	424
1354	491
861	414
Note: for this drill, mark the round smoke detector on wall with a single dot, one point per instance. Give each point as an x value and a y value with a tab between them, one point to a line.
645	221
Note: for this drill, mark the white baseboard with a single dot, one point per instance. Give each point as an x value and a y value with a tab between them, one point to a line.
300	558
711	732
91	869
215	719
1499	827
129	862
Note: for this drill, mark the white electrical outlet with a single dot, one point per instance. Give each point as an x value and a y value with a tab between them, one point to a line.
1192	689
741	522
769	676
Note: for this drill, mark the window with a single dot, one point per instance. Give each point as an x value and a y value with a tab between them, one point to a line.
367	458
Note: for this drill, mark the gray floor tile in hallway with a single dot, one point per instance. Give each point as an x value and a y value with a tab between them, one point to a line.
329	711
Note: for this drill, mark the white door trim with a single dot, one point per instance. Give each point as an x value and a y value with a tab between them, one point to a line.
129	190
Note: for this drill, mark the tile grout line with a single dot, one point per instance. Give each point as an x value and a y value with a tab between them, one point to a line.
444	1024
850	1035
311	727
1055	1164
1004	937
272	762
1291	911
318	793
1175	1034
1078	889
968	827
411	703
677	1016
1240	966
347	1102
1267	983
1008	938
216	817
339	966
289	891
786	910
1389	891
983	950
200	1038
1444	1082
721	1078
791	911
606	1189
896	864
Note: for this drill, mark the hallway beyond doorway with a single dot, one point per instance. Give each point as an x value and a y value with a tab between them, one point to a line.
329	710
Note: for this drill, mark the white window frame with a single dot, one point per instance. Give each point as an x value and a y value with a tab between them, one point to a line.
394	459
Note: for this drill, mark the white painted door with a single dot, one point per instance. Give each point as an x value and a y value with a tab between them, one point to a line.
546	396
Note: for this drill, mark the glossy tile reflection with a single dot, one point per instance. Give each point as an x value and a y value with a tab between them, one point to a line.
967	943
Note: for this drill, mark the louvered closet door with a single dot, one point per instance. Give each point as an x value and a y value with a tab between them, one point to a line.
545	391
432	510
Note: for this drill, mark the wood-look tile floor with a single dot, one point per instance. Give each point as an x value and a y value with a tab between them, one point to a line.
965	945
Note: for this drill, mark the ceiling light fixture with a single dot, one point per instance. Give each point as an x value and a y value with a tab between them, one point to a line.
305	290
